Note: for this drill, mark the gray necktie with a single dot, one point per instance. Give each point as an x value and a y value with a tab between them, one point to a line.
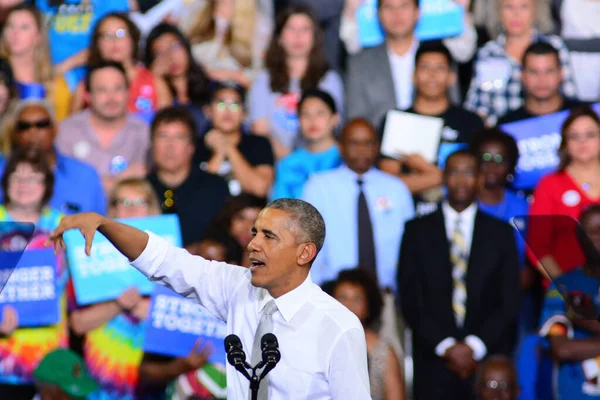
265	326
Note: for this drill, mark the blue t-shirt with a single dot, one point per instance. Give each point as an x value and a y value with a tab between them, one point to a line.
572	383
293	171
511	206
71	25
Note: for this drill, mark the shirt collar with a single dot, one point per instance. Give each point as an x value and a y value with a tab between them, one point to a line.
354	175
411	51
289	304
466	215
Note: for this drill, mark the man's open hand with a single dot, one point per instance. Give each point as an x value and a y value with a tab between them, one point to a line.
86	223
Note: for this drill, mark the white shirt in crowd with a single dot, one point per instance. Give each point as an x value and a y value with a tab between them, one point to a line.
322	344
467	224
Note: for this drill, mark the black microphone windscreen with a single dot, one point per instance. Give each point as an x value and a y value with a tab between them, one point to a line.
269	340
232	342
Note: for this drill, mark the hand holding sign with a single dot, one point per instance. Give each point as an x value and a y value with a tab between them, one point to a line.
10	321
198	356
129	299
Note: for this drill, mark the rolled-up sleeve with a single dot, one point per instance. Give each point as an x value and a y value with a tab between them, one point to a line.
210	283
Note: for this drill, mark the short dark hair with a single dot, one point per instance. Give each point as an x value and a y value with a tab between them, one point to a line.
499	136
310	223
101	65
39	161
465	153
318	94
216	87
416	2
436	47
540	48
172	114
367	282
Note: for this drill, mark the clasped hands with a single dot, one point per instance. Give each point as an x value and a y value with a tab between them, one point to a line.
459	359
220	143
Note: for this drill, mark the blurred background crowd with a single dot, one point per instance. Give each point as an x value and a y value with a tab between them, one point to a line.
215	107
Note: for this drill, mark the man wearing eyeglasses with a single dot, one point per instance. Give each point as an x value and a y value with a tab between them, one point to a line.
77	186
244	160
182	188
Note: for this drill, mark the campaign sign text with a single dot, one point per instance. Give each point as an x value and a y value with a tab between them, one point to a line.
106	274
31	288
439	19
175	323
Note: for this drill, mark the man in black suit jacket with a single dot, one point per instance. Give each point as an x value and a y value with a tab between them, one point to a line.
447	342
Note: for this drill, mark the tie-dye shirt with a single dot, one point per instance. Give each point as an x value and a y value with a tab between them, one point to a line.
21	352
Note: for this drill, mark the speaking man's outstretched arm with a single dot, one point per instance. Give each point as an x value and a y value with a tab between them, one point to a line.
130	241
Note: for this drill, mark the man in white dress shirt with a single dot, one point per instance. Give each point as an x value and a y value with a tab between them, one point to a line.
322	344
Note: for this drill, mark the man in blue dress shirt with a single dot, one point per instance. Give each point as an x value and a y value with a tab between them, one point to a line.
77	186
337	195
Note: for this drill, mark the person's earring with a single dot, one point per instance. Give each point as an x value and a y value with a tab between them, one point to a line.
510	178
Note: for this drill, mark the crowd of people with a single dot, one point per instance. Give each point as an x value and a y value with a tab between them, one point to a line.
219	106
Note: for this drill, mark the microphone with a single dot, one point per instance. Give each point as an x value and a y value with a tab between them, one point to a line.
235	354
270	353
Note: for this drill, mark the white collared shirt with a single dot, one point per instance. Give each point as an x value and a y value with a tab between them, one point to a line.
322	344
403	68
467	222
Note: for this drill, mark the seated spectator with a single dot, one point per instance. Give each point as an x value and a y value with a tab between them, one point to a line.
116	39
318	121
62	375
117	324
542	77
573	187
77	186
106	136
168	55
236	220
356	289
25	45
295	61
245	161
433	78
462	266
364	210
380	78
159	373
496	85
573	340
27	183
229	38
183	188
497	379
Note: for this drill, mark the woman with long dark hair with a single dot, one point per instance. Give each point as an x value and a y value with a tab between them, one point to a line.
168	55
572	188
295	61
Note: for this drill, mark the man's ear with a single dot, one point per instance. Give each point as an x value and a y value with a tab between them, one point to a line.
306	253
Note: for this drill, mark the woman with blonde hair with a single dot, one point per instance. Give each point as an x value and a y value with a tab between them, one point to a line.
24	44
114	330
229	38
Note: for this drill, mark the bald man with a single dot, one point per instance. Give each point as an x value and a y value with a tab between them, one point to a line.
497	380
364	210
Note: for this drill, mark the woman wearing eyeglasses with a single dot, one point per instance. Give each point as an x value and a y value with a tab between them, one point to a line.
27	185
116	38
114	330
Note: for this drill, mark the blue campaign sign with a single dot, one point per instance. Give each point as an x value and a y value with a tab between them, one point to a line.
446	149
107	273
538	140
31	289
175	323
439	19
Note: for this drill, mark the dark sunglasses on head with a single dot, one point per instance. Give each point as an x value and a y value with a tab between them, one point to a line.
26	125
